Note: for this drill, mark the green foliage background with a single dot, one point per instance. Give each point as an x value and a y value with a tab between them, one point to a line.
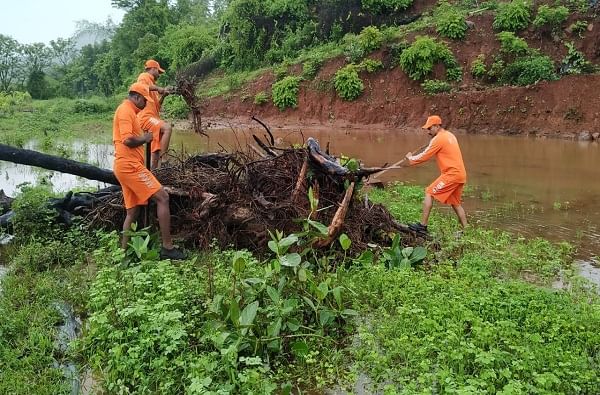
240	37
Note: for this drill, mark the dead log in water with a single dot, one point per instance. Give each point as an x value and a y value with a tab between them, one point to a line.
50	162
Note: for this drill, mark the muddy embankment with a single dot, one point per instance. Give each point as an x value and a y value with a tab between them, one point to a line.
567	108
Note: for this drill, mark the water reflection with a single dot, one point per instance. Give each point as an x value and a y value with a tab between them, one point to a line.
533	187
12	175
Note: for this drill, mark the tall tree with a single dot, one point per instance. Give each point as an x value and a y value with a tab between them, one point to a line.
217	7
144	16
192	11
63	51
82	76
37	86
127	5
36	58
10	54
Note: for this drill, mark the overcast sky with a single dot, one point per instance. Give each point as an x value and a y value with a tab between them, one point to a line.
29	21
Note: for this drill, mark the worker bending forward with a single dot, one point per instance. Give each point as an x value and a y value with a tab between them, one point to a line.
448	187
137	182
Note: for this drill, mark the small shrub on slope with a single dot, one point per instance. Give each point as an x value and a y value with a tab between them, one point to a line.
419	59
451	23
513	16
285	92
347	83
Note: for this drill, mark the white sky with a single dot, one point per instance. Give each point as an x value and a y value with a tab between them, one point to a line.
29	21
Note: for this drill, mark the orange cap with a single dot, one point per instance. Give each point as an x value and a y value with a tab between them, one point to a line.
432	120
153	63
140	88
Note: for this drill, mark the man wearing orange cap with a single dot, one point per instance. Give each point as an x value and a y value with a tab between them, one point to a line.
137	182
447	188
150	116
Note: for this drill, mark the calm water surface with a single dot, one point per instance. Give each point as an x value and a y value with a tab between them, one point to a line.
533	187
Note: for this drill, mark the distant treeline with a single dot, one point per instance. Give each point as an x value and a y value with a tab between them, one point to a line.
237	34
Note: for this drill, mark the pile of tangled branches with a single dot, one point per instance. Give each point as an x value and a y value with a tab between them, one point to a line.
237	198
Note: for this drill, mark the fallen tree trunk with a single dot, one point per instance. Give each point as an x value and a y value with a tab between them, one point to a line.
51	162
236	199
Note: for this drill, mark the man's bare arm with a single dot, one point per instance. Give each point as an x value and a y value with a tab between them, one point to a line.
133	142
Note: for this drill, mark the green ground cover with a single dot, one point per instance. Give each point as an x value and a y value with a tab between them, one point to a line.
475	316
55	121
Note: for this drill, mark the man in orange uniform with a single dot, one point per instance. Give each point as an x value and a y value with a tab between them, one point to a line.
137	182
447	188
150	116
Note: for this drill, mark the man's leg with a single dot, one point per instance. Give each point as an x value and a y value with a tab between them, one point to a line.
460	213
427	205
164	217
165	140
155	160
168	251
165	137
132	214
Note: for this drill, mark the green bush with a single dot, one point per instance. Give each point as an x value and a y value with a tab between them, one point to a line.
280	71
510	44
432	87
370	38
261	98
496	69
175	107
357	47
385	6
348	84
285	92
182	44
579	28
551	17
396	50
311	67
226	333
454	71
582	6
40	256
258	31
94	105
513	16
33	219
13	101
451	23
529	70
292	40
425	52
370	65
353	50
478	69
575	62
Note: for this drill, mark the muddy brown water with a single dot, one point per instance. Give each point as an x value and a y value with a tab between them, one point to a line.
529	186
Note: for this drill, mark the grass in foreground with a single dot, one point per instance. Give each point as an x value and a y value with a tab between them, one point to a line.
465	321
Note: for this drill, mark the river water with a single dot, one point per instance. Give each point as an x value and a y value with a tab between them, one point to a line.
530	186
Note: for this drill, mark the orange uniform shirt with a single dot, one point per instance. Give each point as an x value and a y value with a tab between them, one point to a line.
150	110
126	125
137	183
447	155
149	117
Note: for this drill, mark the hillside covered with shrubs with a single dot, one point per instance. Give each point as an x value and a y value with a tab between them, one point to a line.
491	64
